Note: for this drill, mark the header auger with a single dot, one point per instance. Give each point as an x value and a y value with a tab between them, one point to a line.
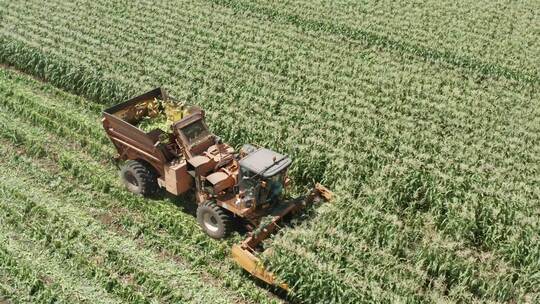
166	144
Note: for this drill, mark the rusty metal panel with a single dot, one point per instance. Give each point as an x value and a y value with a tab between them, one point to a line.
129	131
177	179
202	164
221	181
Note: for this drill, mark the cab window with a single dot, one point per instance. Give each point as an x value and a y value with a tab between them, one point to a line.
195	131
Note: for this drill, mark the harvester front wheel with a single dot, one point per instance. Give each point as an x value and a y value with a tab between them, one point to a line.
215	221
139	178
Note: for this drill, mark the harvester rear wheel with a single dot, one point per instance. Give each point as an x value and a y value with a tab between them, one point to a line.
214	221
139	178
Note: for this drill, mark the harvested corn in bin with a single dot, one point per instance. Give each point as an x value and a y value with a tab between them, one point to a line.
161	115
148	124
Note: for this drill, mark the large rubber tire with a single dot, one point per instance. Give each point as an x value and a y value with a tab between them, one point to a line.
139	178
214	220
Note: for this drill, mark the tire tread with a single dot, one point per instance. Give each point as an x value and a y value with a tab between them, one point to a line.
149	184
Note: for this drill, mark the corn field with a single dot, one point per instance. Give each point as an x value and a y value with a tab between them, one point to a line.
423	118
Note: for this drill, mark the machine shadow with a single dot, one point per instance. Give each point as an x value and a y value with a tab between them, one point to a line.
187	203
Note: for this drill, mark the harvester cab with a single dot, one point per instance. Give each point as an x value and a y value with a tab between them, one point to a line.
192	134
263	176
